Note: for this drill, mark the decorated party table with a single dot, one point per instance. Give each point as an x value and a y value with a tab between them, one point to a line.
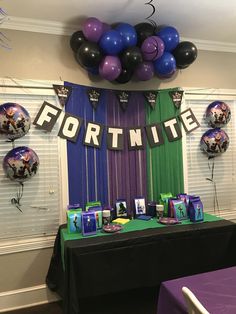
143	254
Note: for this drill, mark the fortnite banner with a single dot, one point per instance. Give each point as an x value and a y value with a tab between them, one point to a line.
114	135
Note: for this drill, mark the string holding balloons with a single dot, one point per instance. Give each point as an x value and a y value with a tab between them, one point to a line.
125	51
215	141
21	163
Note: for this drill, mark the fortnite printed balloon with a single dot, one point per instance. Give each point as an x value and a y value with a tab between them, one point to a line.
14	120
214	142
20	164
218	114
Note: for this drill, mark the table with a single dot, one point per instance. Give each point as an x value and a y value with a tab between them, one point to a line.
99	265
216	290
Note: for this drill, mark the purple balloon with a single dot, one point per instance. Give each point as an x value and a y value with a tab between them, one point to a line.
144	71
92	29
20	164
152	48
110	68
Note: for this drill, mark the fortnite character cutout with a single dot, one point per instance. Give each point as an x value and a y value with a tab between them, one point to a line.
14	168
217	141
199	212
26	162
122	209
21	122
140	208
97	220
88	222
226	112
34	167
75	222
9	113
181	211
6	125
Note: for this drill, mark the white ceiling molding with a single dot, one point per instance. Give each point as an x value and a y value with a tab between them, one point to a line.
57	28
38	26
212	45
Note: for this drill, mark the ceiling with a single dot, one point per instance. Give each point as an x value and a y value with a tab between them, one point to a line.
213	21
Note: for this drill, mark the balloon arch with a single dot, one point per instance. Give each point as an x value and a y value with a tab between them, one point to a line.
126	51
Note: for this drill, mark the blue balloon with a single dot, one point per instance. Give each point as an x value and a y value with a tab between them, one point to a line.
165	65
170	36
128	34
111	43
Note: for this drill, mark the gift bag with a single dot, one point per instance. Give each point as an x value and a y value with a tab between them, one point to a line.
177	209
89	226
185	198
98	214
195	209
164	198
74	221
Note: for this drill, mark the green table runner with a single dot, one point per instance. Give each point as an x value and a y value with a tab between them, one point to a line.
134	225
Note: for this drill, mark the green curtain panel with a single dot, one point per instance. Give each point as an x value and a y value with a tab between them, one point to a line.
165	162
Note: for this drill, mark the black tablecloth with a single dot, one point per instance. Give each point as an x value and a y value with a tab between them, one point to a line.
101	265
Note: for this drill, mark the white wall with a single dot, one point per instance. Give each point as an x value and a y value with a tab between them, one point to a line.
41	56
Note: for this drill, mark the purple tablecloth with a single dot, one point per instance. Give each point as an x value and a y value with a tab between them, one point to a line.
216	290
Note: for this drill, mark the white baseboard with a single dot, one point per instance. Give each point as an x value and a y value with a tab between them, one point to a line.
22	298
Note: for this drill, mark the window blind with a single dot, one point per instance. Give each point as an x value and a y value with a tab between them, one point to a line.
197	166
40	203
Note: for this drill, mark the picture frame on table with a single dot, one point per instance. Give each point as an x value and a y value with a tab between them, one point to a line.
121	208
140	206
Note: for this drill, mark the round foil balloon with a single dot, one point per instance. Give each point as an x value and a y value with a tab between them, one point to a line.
218	114
214	142
14	120
20	164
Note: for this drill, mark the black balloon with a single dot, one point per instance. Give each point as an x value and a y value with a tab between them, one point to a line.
89	55
131	58
143	31
125	76
76	40
185	54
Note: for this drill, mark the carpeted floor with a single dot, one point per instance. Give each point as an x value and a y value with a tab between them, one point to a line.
132	302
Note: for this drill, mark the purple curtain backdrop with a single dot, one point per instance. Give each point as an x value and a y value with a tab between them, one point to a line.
127	168
102	174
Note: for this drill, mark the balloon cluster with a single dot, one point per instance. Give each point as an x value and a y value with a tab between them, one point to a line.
215	141
119	53
20	163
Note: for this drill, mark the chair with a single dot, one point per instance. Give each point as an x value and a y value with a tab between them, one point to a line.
193	304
